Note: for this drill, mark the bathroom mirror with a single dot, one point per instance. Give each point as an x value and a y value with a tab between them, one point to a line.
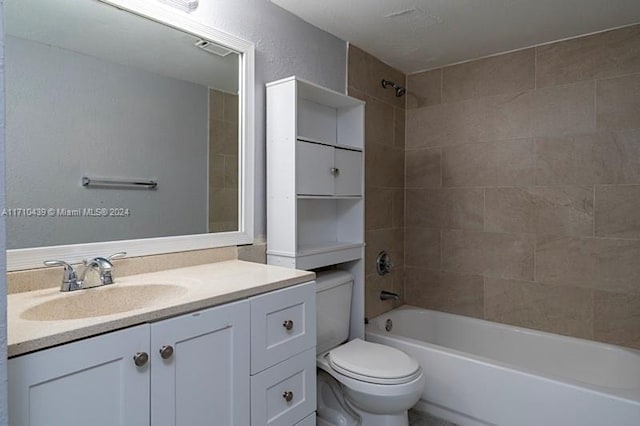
128	128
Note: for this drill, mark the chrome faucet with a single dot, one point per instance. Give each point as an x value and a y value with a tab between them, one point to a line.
102	265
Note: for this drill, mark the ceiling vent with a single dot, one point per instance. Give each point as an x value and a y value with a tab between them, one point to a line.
216	49
184	5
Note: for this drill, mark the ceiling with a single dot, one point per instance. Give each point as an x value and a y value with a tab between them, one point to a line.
102	31
415	35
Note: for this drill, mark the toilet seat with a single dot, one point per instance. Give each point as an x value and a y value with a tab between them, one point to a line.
373	363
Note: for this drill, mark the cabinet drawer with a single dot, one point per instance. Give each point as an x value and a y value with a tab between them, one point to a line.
283	323
285	393
308	421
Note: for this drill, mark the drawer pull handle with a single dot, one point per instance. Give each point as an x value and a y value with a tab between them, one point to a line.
140	359
166	352
287	395
288	324
335	171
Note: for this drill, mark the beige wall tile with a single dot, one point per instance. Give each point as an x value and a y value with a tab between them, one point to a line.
391	240
618	211
384	166
445	291
365	72
618	103
617	318
399	127
603	55
374	284
457	208
379	122
422	247
216	105
488	254
423	168
507	163
506	73
231	110
447	124
564	210
379	208
603	264
553	111
600	158
556	309
424	88
398	209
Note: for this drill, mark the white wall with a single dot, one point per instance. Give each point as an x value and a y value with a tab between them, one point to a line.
70	115
3	261
285	45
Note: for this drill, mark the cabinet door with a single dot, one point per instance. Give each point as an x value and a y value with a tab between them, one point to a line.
349	175
91	382
314	163
205	380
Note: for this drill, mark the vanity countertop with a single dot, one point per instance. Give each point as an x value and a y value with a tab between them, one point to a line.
201	287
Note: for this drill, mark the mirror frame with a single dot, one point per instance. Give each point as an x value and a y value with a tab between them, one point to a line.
29	258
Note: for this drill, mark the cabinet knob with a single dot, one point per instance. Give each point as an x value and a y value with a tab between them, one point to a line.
140	359
287	395
335	171
166	352
288	324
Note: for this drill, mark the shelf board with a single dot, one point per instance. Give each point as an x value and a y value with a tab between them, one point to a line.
335	145
329	197
326	247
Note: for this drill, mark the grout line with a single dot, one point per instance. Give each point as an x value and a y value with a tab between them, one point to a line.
594	210
484	210
535	68
595	105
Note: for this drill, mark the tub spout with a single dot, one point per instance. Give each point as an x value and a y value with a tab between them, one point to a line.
389	295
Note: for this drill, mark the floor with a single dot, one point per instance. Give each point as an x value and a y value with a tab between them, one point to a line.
418	418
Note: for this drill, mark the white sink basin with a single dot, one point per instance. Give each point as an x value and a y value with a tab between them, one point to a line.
107	300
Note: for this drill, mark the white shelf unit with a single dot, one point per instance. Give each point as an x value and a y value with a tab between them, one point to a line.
315	182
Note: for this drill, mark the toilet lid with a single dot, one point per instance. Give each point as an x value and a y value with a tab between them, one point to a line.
373	363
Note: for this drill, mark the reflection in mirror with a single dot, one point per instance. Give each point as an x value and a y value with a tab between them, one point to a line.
97	92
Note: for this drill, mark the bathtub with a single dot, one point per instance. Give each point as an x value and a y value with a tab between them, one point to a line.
483	373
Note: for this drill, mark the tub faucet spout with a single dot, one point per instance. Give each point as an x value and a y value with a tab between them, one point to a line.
389	295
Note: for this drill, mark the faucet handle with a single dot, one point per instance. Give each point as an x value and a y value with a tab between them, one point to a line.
69	277
118	255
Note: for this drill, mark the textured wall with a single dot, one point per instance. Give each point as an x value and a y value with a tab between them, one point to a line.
523	188
285	46
384	173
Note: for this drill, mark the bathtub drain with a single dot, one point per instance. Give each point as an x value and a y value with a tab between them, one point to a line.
388	325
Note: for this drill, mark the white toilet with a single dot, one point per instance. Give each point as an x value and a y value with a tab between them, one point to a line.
359	383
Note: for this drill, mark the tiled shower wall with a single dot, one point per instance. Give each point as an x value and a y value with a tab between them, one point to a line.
384	174
523	188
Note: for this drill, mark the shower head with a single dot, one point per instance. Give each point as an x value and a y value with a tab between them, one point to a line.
400	90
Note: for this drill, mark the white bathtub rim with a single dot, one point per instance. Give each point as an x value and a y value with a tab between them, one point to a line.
622	394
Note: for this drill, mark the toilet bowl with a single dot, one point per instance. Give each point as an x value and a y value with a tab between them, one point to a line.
359	383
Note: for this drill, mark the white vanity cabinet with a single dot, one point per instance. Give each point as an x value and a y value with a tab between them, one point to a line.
195	369
283	356
200	368
91	382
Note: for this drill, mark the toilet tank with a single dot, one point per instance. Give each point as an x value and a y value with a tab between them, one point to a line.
333	308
